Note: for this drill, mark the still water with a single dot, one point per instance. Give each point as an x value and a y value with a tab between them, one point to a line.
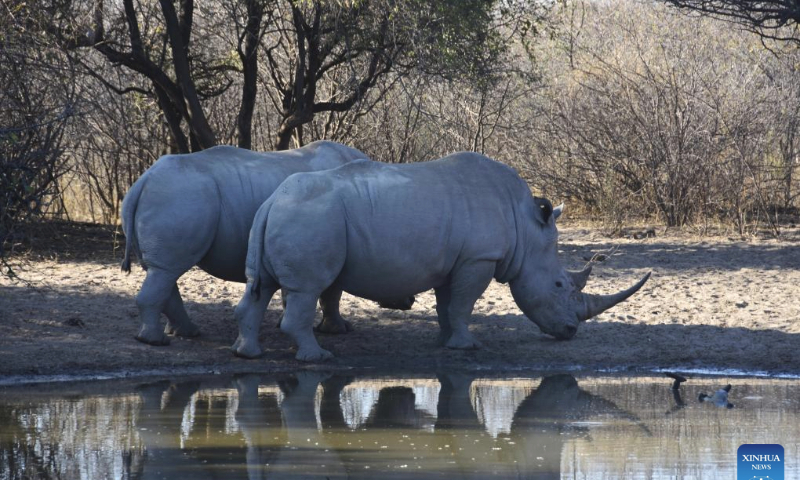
317	425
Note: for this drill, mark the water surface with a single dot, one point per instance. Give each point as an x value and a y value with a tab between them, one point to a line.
317	425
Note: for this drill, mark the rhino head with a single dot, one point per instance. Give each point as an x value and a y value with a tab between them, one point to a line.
551	296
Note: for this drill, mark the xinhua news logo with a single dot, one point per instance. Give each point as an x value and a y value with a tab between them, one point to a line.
759	462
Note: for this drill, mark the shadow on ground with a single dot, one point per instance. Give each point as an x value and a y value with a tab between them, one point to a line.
70	331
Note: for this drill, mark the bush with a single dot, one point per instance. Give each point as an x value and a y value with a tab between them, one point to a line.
34	110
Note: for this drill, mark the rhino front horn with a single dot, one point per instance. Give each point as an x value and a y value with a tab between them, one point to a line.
596	304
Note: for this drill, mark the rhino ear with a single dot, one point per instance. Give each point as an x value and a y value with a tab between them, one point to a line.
557	211
545	210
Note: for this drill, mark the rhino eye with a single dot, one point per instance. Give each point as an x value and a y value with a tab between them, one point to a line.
559	284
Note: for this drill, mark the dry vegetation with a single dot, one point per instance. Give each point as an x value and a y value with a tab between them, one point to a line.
623	109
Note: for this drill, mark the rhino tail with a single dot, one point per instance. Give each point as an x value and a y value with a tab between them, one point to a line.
129	205
254	268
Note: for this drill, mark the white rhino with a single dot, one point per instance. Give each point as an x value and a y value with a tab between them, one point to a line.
382	231
197	209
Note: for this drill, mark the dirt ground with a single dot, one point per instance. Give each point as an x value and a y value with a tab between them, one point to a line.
714	303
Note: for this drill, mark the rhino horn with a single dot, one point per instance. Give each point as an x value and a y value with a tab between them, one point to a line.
579	278
558	211
596	304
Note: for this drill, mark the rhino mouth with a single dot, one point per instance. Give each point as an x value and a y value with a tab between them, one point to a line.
566	333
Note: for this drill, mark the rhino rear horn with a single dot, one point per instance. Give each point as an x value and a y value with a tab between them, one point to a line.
558	211
580	278
597	304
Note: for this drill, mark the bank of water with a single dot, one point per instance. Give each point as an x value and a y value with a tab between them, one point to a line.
450	425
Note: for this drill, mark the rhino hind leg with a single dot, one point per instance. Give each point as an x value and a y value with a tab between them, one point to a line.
283	304
442	303
152	300
298	319
178	322
249	313
332	321
466	286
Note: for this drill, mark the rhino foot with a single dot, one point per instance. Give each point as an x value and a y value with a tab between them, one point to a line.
246	349
462	342
313	354
334	325
186	330
152	336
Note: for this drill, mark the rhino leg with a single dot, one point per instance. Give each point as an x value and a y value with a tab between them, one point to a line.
454	408
283	304
178	322
152	300
249	313
330	407
298	319
332	321
442	302
466	286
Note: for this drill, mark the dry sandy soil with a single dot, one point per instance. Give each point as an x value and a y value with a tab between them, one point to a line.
712	303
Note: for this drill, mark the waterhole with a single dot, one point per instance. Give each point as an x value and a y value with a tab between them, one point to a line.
447	425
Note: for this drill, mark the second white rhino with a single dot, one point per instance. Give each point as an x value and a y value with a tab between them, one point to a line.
197	209
382	232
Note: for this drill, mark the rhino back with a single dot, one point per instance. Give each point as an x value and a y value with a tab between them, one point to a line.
419	222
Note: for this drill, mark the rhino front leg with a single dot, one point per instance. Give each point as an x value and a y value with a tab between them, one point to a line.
298	319
332	321
178	322
466	286
152	300
249	313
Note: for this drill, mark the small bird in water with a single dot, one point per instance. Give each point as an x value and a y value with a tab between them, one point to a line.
720	397
676	385
676	391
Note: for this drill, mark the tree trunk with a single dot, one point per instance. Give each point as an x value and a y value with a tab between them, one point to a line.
178	39
249	57
173	119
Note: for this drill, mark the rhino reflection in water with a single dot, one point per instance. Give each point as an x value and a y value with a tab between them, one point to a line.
299	431
159	429
541	425
384	232
304	452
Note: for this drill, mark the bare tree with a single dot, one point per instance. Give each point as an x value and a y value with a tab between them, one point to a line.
774	19
638	123
180	48
36	102
121	138
328	56
156	45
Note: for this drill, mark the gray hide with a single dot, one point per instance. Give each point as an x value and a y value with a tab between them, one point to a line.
382	231
197	209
